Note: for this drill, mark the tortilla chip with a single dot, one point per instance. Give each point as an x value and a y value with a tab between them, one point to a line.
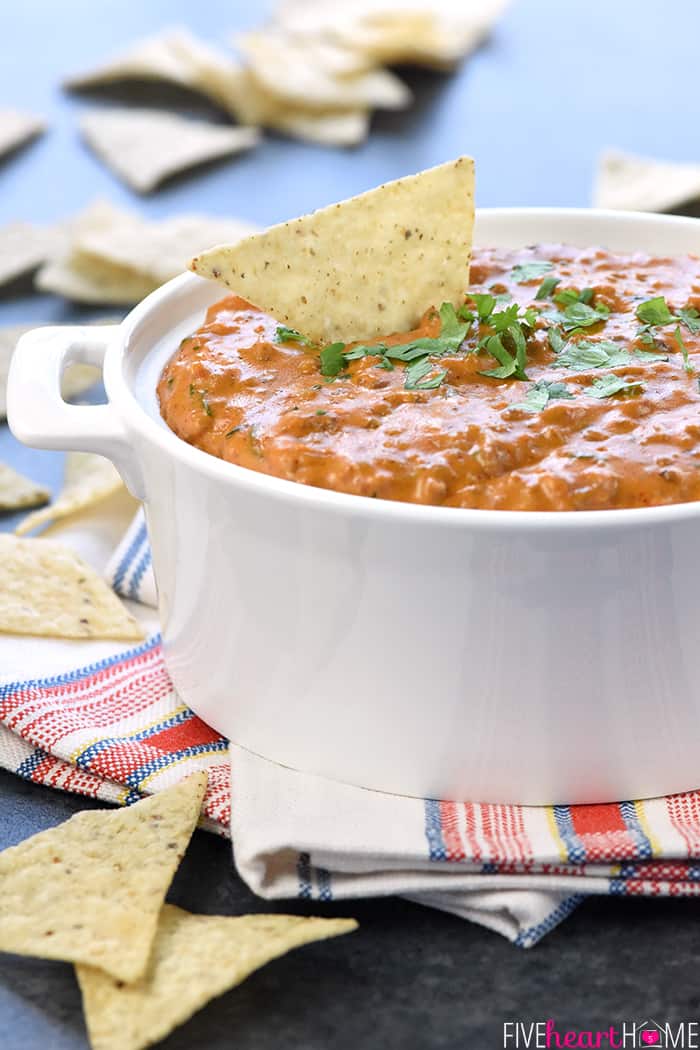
144	147
333	127
24	247
88	479
154	252
390	32
65	275
47	590
76	379
292	71
195	959
16	129
91	889
362	268
635	183
18	492
177	57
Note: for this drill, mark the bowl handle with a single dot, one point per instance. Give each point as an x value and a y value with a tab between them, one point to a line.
39	416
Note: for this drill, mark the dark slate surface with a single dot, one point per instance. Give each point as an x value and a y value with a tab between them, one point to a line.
555	85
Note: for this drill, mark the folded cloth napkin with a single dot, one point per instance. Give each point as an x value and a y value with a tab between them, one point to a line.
106	722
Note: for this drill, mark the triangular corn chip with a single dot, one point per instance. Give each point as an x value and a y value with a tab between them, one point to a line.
365	267
88	479
91	890
627	181
47	590
144	147
24	247
17	128
18	492
292	71
195	959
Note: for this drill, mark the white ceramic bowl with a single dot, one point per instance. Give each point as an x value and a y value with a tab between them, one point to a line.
465	654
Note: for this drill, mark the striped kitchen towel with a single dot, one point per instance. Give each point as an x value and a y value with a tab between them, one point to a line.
106	722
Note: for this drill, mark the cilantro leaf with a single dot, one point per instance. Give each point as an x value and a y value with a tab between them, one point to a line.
691	319
508	364
332	359
540	394
555	339
415	373
485	304
547	287
290	335
604	354
581	315
654	311
683	349
522	273
608	385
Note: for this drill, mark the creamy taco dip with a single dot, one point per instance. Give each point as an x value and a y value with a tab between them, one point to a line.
566	381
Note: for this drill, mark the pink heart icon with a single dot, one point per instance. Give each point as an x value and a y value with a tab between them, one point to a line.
649	1038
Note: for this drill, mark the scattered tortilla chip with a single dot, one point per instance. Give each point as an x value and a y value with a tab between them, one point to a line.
76	379
16	129
24	247
346	127
154	252
88	479
91	889
175	56
195	959
47	590
390	32
18	492
291	70
144	147
364	267
115	256
66	275
635	183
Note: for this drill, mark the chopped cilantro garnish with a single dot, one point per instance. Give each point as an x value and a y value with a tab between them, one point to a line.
290	335
691	319
332	359
540	394
416	372
655	311
555	339
683	349
605	354
452	334
485	304
607	386
547	287
522	273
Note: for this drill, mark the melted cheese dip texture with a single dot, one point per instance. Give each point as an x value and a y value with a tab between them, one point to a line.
241	391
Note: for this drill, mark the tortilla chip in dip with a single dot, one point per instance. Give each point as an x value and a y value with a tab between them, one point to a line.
16	129
47	590
625	180
195	959
91	889
364	267
18	492
88	479
144	146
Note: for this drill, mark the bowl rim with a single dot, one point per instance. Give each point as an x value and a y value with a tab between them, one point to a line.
121	395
